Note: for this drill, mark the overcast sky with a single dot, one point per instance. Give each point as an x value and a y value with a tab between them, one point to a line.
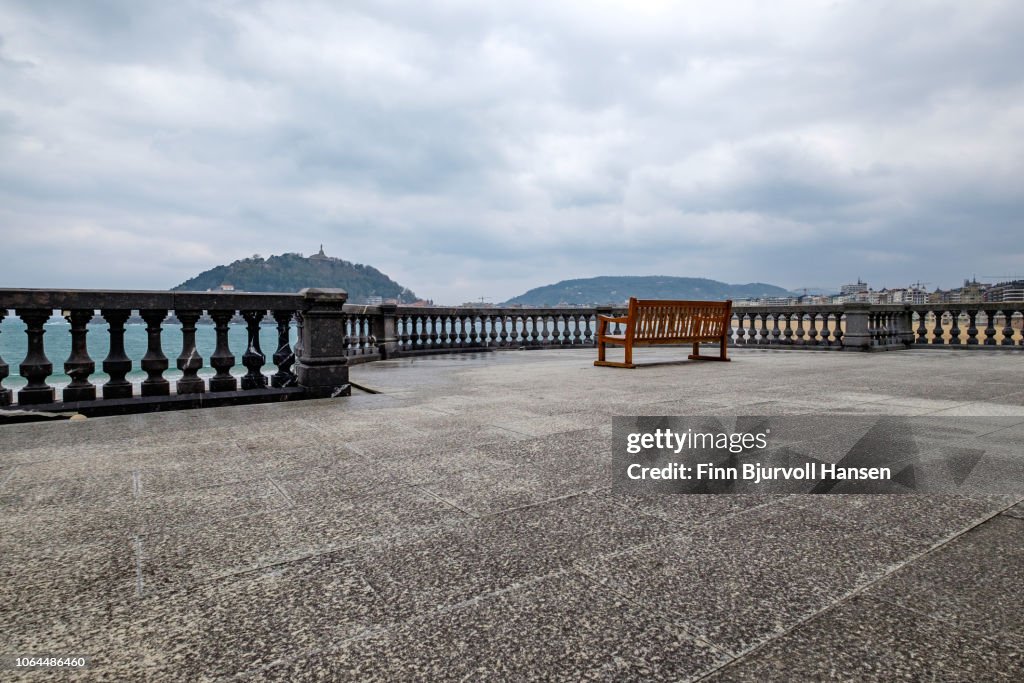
473	149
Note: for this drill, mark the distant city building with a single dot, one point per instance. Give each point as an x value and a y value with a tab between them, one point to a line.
225	287
856	288
973	292
374	300
1006	292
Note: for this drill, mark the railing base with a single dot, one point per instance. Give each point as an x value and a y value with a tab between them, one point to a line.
150	404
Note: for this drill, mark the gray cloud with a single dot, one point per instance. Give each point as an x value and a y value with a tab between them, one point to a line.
480	149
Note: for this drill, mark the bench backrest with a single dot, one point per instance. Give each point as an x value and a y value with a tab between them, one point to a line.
654	319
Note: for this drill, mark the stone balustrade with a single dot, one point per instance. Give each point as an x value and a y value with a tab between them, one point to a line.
317	366
332	335
861	326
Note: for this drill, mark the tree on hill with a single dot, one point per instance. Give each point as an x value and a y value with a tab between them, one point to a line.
292	272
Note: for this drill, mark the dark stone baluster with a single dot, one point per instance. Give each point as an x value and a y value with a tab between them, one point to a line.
799	336
222	360
545	333
117	364
922	331
1007	328
5	394
752	331
937	338
838	333
36	367
79	365
154	362
189	362
812	332
741	330
253	358
588	329
403	332
464	336
990	327
433	331
954	332
972	328
492	333
577	335
776	332
283	358
504	330
456	330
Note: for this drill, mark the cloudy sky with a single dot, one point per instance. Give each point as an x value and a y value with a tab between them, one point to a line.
473	149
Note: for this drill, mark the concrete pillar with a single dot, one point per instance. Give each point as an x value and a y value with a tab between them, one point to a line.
385	329
857	336
321	362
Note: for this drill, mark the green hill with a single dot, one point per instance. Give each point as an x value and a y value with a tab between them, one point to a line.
616	290
292	272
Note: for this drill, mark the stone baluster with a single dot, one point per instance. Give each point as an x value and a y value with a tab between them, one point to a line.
1007	327
577	333
492	332
588	330
222	360
922	331
117	364
456	330
284	357
545	334
776	332
972	327
253	359
434	336
403	332
79	365
36	367
189	362
812	331
954	332
6	397
800	336
154	362
990	327
937	333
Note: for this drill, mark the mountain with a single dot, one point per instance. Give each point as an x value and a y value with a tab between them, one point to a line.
292	272
616	290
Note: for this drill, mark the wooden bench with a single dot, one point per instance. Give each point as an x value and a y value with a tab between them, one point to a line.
655	322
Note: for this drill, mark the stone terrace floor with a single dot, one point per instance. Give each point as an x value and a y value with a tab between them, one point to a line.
460	525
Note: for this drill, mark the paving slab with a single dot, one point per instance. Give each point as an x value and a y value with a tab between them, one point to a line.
752	576
867	639
558	628
975	581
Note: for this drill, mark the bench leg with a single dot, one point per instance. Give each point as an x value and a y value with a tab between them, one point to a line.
613	364
722	356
